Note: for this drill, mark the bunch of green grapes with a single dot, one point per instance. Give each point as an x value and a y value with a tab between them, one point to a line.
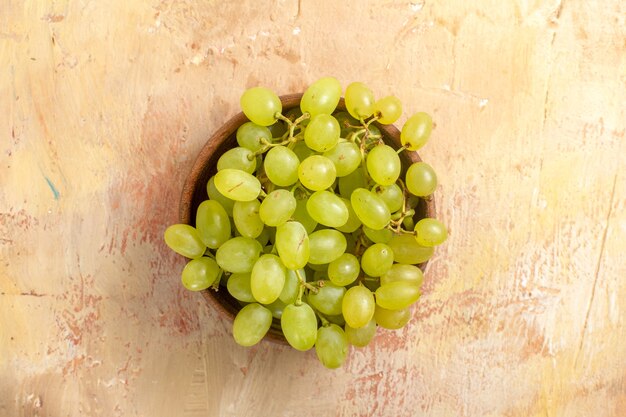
310	224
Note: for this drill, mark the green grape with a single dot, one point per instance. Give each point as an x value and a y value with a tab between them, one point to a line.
403	272
184	240
267	279
328	298
353	222
239	254
392	195
328	209
378	236
346	123
370	209
322	133
416	131
260	105
406	250
421	179
397	295
392	319
237	185
265	235
377	259
212	224
247	219
331	346
238	286
277	207
292	244
362	336
281	166
299	326
277	308
321	97
389	109
338	319
352	181
408	223
430	232
318	268
344	270
302	216
278	129
383	165
200	273
302	151
215	195
238	158
251	136
346	157
358	306
251	324
326	245
292	285
359	100
317	172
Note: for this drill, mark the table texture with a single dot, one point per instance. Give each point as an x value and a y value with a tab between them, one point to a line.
104	106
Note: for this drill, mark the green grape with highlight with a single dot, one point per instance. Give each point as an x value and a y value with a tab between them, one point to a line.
403	272
322	133
392	195
430	232
260	105
344	270
239	254
317	172
184	240
416	131
238	158
237	185
389	110
301	215
251	136
331	346
397	295
321	97
292	244
212	224
346	157
281	166
358	306
406	250
326	245
377	260
215	195
238	286
353	223
327	208
359	100
200	273
267	278
247	219
421	179
277	207
251	324
299	325
370	209
383	165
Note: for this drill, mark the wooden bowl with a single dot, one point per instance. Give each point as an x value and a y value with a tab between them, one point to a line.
194	193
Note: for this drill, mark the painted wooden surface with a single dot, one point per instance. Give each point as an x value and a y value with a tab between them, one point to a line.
104	104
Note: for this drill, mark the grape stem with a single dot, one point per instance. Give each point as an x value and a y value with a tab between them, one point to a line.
401	149
216	285
303	285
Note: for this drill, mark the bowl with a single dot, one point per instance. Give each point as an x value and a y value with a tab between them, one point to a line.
194	192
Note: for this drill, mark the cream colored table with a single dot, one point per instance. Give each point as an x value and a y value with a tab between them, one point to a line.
105	104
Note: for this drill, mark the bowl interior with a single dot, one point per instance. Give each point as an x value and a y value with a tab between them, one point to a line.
194	191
